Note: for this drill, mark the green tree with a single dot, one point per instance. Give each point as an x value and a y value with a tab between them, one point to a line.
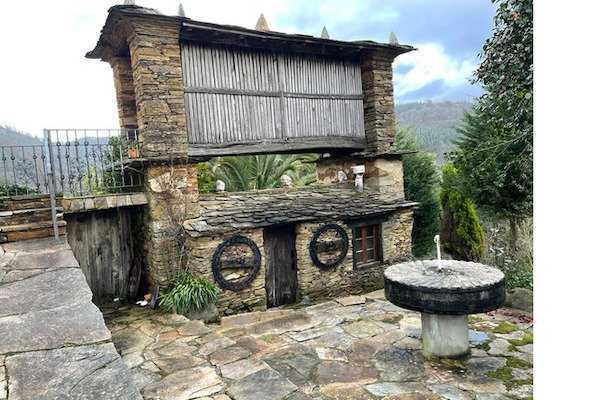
242	173
421	183
461	234
495	151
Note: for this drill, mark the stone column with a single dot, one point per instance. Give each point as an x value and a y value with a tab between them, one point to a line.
378	92
123	77
172	192
158	83
171	185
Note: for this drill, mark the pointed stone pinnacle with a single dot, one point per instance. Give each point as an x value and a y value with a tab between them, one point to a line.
261	24
180	11
129	2
393	38
324	33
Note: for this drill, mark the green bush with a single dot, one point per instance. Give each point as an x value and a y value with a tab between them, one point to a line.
421	183
188	293
461	235
206	179
518	270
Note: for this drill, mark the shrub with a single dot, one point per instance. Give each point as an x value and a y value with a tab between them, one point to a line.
421	183
188	293
518	271
461	235
206	179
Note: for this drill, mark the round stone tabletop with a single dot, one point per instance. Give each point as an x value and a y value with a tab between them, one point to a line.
459	288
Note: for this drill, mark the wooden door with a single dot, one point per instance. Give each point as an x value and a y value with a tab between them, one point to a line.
280	259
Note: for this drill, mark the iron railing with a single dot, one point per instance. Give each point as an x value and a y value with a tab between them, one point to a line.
80	162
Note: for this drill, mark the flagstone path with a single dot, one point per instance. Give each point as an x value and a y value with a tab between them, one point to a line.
53	340
356	347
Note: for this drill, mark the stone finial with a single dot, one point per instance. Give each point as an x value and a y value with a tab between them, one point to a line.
180	11
129	2
324	33
342	177
393	38
220	186
261	24
286	180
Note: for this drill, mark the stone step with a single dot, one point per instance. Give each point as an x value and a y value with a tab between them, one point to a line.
22	217
35	230
13	203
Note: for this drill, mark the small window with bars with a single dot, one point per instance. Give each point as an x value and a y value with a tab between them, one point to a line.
367	245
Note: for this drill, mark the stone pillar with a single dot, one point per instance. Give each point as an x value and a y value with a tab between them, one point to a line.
172	192
124	88
378	92
445	335
158	83
171	185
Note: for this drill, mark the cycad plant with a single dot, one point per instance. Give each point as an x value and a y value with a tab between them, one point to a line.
241	173
188	294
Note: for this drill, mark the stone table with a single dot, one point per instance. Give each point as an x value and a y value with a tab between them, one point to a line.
445	297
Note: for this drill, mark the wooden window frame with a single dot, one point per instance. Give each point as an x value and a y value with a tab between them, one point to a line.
377	244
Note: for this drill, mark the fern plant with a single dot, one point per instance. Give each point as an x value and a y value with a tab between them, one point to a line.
188	293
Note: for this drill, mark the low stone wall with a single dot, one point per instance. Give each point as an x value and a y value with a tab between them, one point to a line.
79	204
313	282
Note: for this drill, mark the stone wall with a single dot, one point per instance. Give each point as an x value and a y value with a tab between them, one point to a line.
172	192
378	91
125	91
312	281
381	174
251	298
158	84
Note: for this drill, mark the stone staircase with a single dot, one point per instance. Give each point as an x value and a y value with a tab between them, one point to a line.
28	217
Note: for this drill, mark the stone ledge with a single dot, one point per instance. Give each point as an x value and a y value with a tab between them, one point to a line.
81	204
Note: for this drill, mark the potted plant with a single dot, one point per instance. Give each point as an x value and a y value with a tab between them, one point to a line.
193	297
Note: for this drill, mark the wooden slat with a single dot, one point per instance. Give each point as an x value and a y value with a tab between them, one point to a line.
233	95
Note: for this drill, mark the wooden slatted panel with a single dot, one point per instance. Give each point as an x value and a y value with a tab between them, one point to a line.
237	95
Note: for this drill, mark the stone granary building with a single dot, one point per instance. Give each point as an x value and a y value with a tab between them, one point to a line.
195	90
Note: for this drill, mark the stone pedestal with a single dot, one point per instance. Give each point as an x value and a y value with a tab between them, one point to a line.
445	293
445	335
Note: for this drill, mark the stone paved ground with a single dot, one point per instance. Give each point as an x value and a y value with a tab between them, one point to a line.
53	340
357	347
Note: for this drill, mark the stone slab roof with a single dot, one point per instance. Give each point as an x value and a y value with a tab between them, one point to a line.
230	35
230	212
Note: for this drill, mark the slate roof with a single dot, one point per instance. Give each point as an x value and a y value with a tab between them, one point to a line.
230	212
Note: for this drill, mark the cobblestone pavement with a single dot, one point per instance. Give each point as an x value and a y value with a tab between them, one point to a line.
356	347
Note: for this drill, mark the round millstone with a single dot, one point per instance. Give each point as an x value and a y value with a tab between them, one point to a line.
459	288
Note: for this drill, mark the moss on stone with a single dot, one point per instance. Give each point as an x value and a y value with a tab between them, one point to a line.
484	346
371	286
505	375
393	319
515	362
502	373
505	327
522	342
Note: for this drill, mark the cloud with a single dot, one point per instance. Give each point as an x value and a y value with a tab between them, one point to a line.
429	65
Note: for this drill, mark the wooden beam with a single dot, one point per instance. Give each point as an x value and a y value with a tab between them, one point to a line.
290	145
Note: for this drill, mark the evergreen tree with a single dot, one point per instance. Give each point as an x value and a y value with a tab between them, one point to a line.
421	183
495	152
461	235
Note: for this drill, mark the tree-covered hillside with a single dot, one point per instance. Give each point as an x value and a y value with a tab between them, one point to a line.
11	137
433	123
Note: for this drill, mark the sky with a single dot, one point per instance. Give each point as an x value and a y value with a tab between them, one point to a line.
46	82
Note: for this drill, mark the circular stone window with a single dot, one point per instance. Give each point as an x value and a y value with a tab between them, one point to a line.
329	246
236	263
